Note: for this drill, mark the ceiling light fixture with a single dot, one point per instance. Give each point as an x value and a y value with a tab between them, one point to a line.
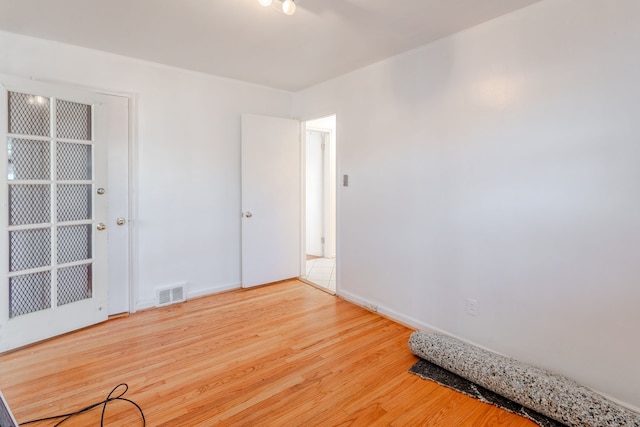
288	6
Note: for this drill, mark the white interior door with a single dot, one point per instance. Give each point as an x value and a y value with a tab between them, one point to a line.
314	194
270	199
118	196
53	262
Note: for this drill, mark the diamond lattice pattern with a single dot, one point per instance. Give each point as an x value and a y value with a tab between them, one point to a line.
28	159
29	114
73	161
29	249
73	120
29	293
74	243
74	202
74	284
29	204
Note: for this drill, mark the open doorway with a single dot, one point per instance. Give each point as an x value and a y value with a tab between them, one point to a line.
320	202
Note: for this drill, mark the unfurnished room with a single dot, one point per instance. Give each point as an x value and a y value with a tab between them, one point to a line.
320	213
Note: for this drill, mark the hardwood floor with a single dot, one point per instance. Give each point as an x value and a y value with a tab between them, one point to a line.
281	355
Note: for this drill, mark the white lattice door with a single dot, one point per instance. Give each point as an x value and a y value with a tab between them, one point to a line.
53	257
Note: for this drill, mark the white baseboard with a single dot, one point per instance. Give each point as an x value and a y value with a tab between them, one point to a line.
418	325
213	290
406	320
620	402
144	304
387	312
150	303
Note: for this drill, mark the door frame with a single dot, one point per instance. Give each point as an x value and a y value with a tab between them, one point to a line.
326	183
132	193
303	244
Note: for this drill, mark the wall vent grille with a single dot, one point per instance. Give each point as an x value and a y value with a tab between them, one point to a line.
171	295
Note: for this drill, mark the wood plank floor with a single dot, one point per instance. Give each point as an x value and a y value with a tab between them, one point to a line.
280	355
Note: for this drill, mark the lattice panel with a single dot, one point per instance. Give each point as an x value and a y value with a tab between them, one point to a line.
29	114
73	120
74	202
28	159
74	284
29	249
74	243
29	293
29	204
74	161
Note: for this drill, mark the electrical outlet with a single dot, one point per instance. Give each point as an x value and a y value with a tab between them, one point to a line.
472	307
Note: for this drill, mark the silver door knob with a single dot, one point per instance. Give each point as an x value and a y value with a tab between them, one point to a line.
121	221
101	226
248	214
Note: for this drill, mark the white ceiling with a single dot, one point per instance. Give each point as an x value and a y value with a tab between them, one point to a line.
242	40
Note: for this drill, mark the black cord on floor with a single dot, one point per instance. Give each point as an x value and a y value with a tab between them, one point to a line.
104	403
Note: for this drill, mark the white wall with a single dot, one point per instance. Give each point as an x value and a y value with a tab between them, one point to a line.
188	156
502	164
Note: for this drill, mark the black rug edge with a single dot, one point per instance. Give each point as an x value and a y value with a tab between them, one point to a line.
432	372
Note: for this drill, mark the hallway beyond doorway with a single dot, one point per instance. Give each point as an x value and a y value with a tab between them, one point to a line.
320	200
322	272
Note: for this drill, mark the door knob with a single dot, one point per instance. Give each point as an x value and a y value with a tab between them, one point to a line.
121	221
101	226
248	214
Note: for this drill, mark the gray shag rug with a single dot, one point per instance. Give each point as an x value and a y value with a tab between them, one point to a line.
430	371
550	394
